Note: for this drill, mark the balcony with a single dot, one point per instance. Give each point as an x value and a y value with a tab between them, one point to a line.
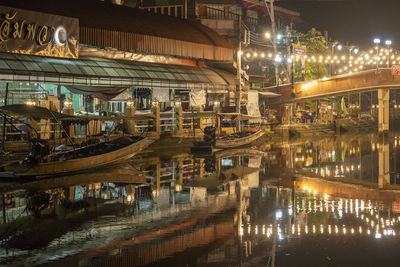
222	21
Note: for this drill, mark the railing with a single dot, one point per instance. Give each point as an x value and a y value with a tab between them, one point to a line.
212	13
174	121
168	121
343	84
18	131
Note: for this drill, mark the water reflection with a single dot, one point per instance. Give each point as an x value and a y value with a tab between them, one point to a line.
233	208
360	159
98	211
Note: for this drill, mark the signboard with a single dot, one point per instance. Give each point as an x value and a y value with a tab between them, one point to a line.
252	105
396	70
299	50
35	33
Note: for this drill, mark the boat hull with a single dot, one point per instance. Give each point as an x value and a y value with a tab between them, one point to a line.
239	141
80	164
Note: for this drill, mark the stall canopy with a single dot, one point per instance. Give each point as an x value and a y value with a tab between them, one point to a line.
106	78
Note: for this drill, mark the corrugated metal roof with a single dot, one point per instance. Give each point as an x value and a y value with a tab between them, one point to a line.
125	19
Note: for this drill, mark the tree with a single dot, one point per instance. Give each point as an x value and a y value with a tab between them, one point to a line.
315	43
316	46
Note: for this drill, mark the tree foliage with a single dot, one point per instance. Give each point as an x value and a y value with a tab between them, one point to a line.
315	44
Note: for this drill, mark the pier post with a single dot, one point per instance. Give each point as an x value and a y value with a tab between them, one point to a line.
201	168
180	182
200	119
158	178
180	119
383	158
69	110
156	110
130	112
383	110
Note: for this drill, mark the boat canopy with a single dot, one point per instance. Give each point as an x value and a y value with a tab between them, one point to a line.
26	111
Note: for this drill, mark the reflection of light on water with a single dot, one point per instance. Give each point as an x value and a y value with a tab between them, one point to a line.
282	231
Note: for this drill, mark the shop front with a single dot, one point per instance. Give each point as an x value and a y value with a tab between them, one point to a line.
42	63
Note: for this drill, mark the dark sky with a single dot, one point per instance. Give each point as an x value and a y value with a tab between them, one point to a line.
353	21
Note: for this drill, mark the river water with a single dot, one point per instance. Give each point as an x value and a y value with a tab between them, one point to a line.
331	201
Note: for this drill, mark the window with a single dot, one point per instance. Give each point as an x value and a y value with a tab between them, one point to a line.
179	12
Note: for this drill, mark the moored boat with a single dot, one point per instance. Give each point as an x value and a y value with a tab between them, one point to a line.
238	139
81	159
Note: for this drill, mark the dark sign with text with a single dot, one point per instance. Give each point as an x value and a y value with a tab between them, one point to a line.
35	33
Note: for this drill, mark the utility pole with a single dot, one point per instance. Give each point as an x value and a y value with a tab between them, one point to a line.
272	16
289	53
239	66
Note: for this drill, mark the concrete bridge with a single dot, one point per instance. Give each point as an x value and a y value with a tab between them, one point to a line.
367	91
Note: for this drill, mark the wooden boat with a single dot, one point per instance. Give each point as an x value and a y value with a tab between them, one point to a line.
88	157
237	140
243	152
225	142
42	163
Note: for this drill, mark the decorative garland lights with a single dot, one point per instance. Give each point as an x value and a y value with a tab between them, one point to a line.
376	57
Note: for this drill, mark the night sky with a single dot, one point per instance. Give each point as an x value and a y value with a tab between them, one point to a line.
353	21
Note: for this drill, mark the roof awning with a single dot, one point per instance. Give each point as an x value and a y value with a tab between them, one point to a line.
268	94
106	78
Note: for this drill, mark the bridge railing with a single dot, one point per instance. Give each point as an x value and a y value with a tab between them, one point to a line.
361	81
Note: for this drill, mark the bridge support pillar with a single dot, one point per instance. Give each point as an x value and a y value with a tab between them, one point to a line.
383	158
383	110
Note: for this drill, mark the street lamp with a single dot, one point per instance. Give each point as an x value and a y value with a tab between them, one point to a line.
339	47
377	41
268	35
388	43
